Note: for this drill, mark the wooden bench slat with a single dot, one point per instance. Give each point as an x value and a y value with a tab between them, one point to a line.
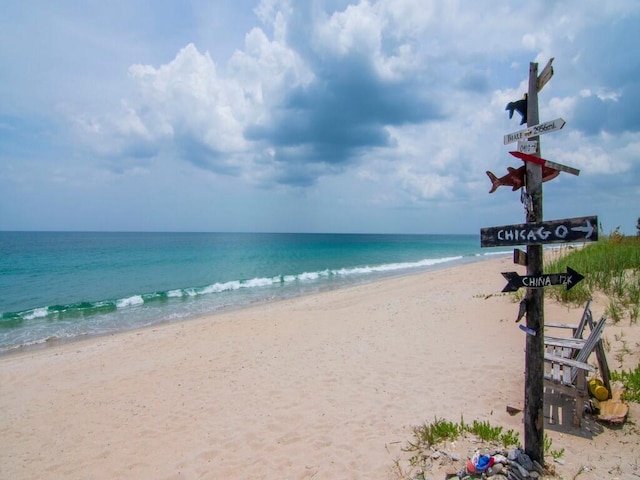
561	325
559	360
574	343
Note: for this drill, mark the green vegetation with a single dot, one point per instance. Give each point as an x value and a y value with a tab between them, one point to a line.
430	434
631	382
485	431
546	445
612	266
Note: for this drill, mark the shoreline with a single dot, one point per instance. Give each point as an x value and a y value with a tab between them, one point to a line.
61	340
326	385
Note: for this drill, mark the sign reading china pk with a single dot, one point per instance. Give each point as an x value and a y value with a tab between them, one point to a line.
515	281
583	229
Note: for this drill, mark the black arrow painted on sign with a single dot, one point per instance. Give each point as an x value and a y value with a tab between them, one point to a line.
515	281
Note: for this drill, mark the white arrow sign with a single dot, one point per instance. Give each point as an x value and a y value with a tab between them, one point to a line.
534	131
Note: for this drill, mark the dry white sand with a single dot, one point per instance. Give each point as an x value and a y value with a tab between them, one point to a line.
326	386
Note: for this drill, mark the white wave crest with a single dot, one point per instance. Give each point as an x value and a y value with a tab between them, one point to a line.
219	287
309	276
260	282
37	313
390	267
130	301
487	254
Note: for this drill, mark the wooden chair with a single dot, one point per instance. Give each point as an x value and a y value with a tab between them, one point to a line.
566	365
577	333
577	330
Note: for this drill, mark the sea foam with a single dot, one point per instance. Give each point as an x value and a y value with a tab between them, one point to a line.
235	270
130	301
37	313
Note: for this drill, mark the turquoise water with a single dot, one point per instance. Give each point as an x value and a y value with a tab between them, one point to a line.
62	285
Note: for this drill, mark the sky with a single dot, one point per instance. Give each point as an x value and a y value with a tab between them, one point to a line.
316	116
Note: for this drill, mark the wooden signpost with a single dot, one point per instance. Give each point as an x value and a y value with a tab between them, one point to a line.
534	234
534	358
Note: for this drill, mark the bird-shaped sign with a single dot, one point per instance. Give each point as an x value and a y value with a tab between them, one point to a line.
520	106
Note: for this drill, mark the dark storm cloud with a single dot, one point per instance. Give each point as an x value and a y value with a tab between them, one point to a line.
345	109
203	156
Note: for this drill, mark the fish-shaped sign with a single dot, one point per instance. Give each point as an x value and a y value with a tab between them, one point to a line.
515	178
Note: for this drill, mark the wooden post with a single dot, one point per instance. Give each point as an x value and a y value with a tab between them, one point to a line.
534	363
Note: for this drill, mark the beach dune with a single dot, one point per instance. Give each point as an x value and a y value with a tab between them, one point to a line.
325	386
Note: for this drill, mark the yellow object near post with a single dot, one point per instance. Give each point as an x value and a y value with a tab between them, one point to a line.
598	390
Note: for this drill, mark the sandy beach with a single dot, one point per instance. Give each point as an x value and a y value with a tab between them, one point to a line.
326	386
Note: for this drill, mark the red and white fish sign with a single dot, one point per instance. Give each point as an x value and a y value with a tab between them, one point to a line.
545	163
515	178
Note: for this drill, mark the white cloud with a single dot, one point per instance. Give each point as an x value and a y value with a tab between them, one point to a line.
405	98
425	186
593	160
187	97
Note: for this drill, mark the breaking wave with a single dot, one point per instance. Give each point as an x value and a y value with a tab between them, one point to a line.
85	309
65	321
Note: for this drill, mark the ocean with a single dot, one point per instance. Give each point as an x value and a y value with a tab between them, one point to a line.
57	286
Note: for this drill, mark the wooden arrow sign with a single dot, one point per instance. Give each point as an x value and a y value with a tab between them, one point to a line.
545	75
534	131
515	281
520	257
581	229
545	163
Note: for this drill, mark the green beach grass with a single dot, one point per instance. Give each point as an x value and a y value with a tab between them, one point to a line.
611	266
